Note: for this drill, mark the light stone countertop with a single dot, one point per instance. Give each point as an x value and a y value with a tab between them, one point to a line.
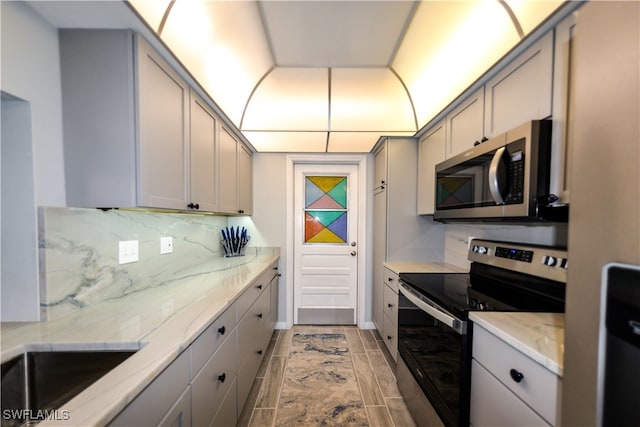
540	336
160	322
422	267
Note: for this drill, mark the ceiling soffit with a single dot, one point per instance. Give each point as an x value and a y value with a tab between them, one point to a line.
335	33
339	72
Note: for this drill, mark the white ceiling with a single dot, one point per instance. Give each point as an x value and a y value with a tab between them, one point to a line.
325	76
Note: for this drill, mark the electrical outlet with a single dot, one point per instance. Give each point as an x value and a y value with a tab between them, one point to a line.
166	245
127	251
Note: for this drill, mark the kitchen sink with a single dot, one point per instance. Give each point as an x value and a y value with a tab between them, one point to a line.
36	383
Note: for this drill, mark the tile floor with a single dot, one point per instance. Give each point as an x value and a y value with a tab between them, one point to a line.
373	368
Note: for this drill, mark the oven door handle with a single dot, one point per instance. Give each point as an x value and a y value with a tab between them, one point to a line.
457	325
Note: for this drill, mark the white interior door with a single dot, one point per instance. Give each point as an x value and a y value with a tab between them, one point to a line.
325	244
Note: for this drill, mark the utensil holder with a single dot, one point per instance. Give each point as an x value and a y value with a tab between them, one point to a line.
231	251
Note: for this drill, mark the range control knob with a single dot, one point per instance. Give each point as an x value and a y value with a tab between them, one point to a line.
549	260
482	250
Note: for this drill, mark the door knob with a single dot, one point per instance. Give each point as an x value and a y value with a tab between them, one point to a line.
353	253
353	244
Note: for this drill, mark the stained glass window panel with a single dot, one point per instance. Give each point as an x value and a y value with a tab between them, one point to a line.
325	209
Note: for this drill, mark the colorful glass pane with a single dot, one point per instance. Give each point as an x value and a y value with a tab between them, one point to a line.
325	209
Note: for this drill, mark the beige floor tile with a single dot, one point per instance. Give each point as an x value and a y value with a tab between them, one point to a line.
377	387
386	379
368	340
354	341
399	412
270	391
379	416
263	417
371	394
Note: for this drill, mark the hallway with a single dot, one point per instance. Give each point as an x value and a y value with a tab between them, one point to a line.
325	375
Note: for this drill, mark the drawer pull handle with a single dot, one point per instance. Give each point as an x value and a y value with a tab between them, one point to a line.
259	352
222	330
259	315
516	375
222	377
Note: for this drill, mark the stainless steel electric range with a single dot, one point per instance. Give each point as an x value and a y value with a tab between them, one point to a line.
434	330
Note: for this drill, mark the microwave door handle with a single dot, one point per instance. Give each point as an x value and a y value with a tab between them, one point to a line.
494	185
451	322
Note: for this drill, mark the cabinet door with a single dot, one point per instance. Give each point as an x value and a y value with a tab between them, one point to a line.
159	398
162	116
561	137
227	171
379	254
202	155
245	177
522	90
431	151
465	124
380	169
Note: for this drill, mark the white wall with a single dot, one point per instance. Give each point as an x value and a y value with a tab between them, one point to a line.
31	71
267	226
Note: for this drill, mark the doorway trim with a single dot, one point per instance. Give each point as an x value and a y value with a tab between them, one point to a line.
354	159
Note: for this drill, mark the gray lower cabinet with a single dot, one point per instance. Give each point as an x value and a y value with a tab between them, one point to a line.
162	399
208	384
212	384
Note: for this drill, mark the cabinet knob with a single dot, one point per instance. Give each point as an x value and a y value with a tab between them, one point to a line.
259	315
389	337
259	352
390	279
259	287
516	375
222	330
222	377
390	305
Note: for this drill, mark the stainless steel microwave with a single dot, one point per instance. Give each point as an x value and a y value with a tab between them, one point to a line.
506	177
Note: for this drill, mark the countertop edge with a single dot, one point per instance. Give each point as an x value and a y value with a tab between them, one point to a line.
101	402
526	329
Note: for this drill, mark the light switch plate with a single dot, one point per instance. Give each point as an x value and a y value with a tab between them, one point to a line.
166	245
127	251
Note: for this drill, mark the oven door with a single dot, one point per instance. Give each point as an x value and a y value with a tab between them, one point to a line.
436	349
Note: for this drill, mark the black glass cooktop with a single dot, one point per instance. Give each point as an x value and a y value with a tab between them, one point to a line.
487	289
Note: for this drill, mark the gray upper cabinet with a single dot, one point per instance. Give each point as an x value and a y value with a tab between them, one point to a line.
245	184
163	102
522	90
465	124
136	134
203	156
235	176
431	151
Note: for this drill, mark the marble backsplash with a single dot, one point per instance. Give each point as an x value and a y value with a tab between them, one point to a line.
79	253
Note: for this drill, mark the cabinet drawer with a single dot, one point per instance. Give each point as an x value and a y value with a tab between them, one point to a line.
252	326
390	300
250	295
228	413
150	406
390	336
492	404
208	342
539	387
180	414
246	375
213	382
391	279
